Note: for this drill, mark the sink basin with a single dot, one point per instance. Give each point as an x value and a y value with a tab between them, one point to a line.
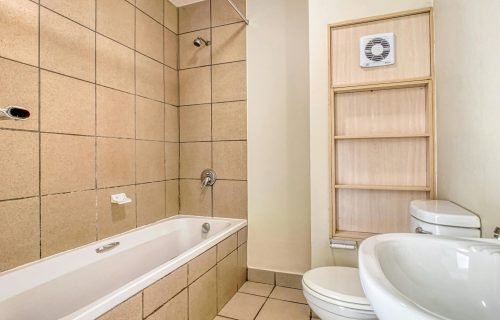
417	277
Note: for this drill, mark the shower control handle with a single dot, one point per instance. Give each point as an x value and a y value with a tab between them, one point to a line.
208	178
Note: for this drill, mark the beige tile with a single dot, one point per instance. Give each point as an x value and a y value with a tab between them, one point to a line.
195	123
171	86
195	16
148	36
229	120
149	78
149	119
150	202
194	85
221	318
203	297
128	310
229	43
81	11
113	218
191	56
164	289
171	160
229	82
114	65
19	150
19	43
243	307
68	221
194	157
242	264
172	198
19	84
242	236
193	199
170	16
282	310
149	161
115	162
201	264
289	280
227	279
67	163
171	123
257	289
225	247
66	47
115	19
175	309
230	159
261	276
67	104
153	8
19	232
288	294
115	113
223	13
170	48
230	199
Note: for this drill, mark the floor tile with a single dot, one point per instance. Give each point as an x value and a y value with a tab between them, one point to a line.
288	294
282	310
243	307
258	289
221	318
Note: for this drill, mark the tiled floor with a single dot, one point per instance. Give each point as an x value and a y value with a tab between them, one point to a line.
258	301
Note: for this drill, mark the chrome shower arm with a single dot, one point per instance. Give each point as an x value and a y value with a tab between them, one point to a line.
238	11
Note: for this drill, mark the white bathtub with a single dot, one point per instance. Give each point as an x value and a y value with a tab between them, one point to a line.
83	284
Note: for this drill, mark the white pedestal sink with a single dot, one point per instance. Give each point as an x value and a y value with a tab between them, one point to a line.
421	277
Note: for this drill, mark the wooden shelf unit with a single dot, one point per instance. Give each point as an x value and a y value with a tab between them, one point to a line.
381	127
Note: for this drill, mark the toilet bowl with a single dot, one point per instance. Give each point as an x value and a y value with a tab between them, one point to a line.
335	293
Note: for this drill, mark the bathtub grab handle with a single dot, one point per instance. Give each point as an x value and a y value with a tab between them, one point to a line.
107	247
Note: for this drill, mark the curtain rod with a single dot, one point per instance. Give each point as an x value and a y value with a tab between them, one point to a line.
238	11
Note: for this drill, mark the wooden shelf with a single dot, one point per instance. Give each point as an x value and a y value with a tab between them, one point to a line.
384	136
374	187
352	235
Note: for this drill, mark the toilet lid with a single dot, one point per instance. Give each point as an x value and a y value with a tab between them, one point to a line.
340	283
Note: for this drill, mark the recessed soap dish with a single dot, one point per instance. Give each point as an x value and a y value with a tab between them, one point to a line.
120	198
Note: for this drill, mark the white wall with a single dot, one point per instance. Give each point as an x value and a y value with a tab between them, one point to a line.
278	135
468	106
321	13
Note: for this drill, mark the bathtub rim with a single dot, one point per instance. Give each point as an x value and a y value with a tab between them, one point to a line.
108	302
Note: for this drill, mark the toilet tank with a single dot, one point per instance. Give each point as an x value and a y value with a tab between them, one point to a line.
444	218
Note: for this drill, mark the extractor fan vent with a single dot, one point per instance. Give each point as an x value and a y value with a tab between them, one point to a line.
377	50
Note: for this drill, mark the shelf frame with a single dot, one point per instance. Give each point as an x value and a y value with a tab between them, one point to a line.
426	82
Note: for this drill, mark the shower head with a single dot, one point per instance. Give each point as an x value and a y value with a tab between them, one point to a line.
198	42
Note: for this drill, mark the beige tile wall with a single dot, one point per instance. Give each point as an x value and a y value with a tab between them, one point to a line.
113	87
100	78
212	98
197	290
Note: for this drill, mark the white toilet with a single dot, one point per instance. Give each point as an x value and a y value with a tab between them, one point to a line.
335	293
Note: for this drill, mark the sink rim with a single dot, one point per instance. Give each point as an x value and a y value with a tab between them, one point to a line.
376	284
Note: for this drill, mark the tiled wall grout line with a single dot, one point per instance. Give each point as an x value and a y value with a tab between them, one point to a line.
101	34
135	128
39	133
211	103
212	64
218	26
95	121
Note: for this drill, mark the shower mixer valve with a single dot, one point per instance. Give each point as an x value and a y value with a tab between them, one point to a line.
208	178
